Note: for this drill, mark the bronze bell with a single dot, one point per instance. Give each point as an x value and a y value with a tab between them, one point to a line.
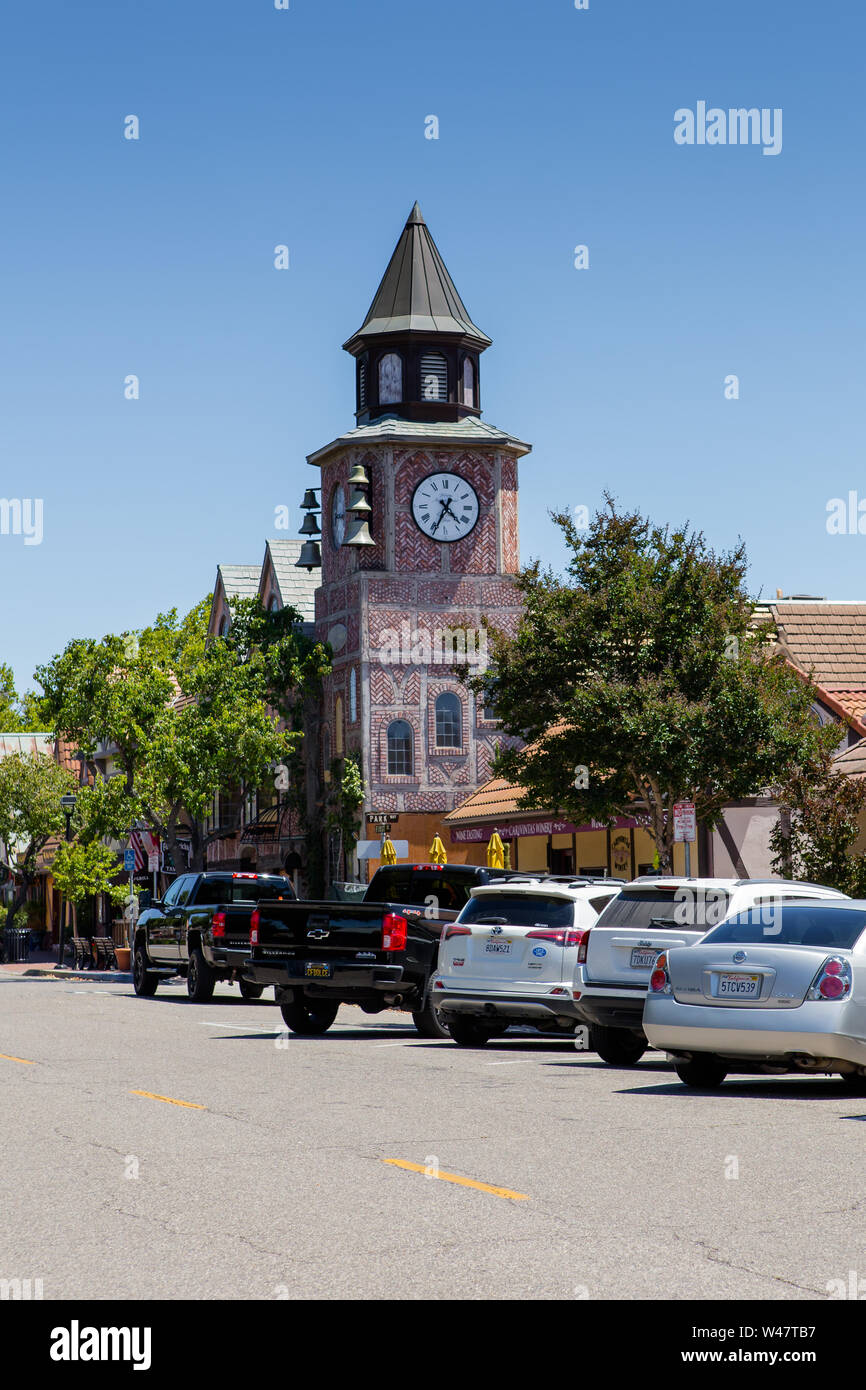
359	533
309	503
310	557
310	526
358	502
359	478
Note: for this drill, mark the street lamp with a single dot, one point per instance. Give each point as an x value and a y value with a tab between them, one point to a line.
67	806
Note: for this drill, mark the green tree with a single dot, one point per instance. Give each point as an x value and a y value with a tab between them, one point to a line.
819	823
18	715
83	869
342	819
30	814
187	716
638	681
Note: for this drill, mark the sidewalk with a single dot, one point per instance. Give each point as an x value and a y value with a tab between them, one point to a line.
42	964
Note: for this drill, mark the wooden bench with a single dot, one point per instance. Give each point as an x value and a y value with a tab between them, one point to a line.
104	957
81	948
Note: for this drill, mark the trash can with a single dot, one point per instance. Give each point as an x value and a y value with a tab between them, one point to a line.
16	944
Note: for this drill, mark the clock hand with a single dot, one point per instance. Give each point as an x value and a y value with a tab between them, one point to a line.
444	503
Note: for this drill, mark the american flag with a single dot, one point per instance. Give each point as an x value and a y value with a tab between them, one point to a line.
144	843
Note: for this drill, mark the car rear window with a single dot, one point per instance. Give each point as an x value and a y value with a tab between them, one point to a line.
695	909
417	888
518	910
242	890
792	924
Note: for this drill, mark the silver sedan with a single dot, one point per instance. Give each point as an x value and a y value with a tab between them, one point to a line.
781	988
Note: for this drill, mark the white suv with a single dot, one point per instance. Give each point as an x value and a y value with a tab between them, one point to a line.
510	957
616	958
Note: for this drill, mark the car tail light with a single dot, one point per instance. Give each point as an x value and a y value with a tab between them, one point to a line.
244	875
562	937
582	945
393	932
451	929
437	868
254	928
660	980
833	980
218	924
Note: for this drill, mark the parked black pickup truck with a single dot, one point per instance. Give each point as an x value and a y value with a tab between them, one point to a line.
379	953
201	929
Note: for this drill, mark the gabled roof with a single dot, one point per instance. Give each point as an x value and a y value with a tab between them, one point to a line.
492	801
828	639
240	581
852	761
417	295
297	587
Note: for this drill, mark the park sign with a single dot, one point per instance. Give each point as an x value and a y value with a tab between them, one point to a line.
685	827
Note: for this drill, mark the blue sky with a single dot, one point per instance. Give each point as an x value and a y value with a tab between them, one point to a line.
306	127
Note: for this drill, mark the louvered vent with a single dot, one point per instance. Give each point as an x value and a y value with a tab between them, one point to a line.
434	377
362	385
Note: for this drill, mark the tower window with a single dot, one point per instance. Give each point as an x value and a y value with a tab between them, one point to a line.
434	377
362	385
338	726
390	379
353	696
468	381
449	721
401	746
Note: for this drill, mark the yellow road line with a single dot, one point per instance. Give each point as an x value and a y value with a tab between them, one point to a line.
23	1060
169	1100
463	1182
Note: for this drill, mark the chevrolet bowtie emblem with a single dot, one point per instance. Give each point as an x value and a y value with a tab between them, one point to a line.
318	934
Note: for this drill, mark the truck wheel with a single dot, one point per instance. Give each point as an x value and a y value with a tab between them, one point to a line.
200	979
249	990
428	1021
144	981
468	1032
617	1046
308	1017
704	1073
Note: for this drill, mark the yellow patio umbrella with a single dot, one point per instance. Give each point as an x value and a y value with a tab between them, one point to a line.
389	854
495	852
437	852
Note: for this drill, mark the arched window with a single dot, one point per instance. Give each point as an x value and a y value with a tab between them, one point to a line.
273	604
434	377
224	624
401	745
468	381
449	721
353	696
390	379
338	726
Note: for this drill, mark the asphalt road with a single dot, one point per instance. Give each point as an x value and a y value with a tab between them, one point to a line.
280	1184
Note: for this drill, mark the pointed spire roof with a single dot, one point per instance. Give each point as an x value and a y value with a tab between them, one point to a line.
417	295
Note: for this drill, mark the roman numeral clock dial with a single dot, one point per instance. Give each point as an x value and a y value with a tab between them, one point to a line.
445	507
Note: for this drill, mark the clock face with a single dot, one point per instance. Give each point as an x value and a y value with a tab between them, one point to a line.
445	507
338	516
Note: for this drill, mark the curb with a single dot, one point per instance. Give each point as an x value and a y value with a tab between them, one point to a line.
103	976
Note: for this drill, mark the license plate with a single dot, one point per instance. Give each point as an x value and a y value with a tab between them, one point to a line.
498	948
739	986
317	970
641	959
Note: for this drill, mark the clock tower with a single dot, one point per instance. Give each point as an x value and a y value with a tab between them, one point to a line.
419	547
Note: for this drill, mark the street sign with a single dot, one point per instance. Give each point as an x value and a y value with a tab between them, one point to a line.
129	861
153	863
685	827
372	849
380	818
